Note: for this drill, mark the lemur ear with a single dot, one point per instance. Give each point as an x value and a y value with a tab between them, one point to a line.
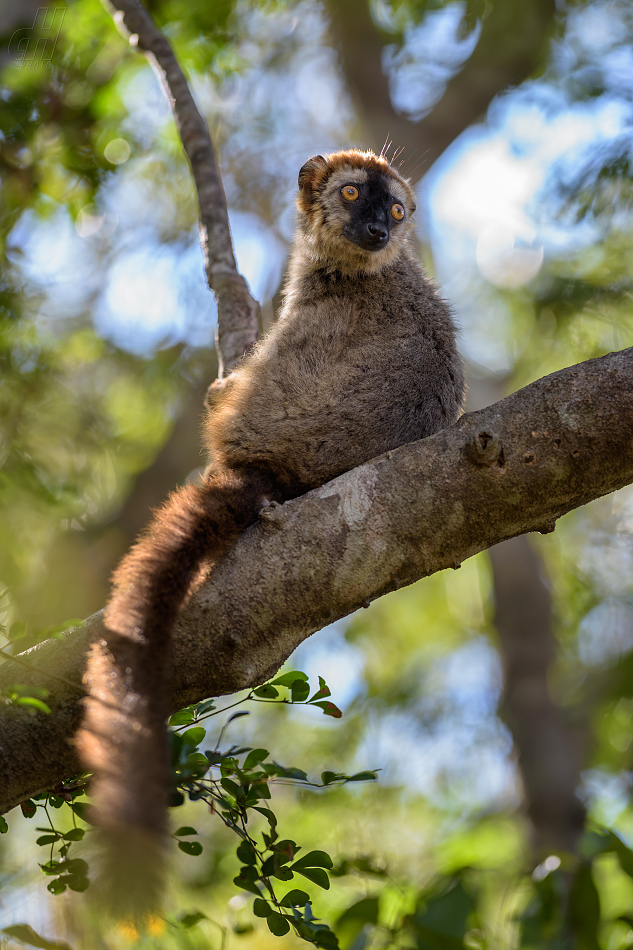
309	172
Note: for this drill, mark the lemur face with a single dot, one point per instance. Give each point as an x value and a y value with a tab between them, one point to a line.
372	208
356	209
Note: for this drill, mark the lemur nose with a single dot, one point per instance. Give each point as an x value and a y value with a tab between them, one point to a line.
377	231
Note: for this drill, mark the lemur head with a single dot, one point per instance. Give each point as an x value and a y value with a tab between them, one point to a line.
355	210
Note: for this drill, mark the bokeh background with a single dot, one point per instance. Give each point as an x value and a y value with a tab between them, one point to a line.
497	700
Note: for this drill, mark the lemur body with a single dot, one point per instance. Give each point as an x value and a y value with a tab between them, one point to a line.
361	360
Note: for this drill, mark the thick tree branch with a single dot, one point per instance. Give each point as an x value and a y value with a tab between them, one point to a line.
238	313
506	470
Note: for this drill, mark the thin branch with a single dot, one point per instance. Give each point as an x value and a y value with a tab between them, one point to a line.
514	467
238	312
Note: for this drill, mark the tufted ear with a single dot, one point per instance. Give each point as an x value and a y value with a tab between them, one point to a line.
308	173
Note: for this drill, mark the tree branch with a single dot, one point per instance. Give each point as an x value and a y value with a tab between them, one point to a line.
514	467
550	752
238	312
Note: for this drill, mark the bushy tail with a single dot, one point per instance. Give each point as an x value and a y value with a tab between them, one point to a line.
123	739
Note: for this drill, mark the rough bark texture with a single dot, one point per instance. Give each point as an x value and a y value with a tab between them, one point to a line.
238	313
511	48
514	467
549	749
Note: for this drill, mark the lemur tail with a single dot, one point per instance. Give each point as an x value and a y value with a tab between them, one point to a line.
123	739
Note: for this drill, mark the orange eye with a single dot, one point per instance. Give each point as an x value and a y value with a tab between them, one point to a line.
349	192
397	212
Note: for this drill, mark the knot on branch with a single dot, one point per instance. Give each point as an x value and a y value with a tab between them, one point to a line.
484	448
273	515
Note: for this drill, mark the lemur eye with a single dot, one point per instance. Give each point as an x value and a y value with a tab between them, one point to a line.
349	193
397	212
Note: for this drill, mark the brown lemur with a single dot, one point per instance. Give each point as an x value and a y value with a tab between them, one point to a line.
361	360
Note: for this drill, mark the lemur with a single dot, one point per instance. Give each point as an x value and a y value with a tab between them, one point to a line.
361	360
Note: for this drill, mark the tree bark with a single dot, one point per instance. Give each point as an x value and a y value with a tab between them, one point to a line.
514	467
549	750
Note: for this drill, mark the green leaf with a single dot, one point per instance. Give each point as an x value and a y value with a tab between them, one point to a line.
327	777
261	908
246	853
231	787
277	924
322	692
75	834
77	882
185	830
28	808
267	813
27	935
83	810
197	763
298	774
190	847
313	859
286	847
247	879
207	705
316	875
363	777
194	736
3	825
266	692
287	679
283	874
259	790
254	757
56	887
329	709
190	920
295	898
47	839
183	717
33	703
299	691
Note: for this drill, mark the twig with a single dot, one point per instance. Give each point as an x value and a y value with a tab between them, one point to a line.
238	313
